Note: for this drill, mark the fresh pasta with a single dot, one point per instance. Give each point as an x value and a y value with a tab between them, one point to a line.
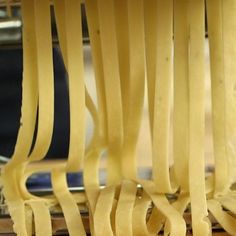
134	43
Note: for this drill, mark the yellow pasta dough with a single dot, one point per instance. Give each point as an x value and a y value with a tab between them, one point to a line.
133	43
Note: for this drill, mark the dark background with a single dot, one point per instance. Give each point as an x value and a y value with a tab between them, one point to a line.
10	102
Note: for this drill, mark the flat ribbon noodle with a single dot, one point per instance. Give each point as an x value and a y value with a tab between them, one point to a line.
181	95
162	104
131	40
73	58
199	212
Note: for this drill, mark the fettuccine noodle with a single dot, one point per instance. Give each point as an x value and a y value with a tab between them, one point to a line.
133	43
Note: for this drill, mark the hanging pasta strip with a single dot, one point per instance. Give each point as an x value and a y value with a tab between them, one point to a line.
13	169
130	41
60	20
229	32
112	89
92	153
142	226
29	219
197	118
177	223
139	223
44	68
91	164
46	101
95	43
41	217
73	58
216	37
122	35
69	207
29	88
124	211
181	105
95	119
180	205
227	221
44	64
102	214
123	194
124	56
150	20
136	87
156	221
15	205
162	105
45	86
133	108
181	94
226	176
40	209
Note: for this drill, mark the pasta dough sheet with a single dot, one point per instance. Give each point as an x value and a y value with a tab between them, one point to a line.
134	44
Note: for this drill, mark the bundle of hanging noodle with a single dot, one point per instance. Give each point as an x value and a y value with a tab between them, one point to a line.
160	43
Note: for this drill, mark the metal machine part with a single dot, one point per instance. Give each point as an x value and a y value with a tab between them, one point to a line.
11	25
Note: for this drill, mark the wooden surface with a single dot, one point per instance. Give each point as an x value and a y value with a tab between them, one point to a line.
59	227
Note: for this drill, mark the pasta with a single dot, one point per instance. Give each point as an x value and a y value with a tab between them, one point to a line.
133	43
